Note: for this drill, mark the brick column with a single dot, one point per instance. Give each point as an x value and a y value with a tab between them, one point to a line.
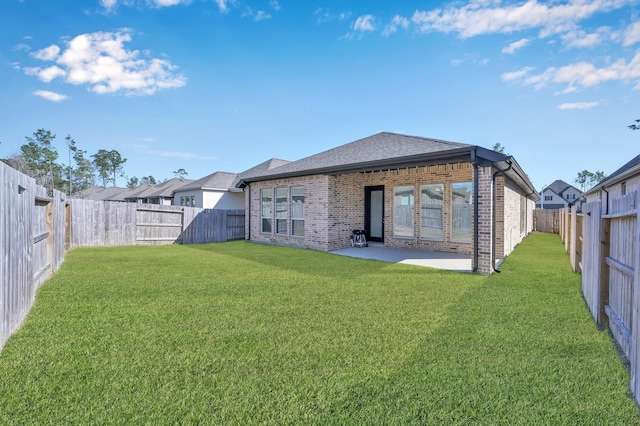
485	221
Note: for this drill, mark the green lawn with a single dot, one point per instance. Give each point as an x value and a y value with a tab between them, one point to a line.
239	333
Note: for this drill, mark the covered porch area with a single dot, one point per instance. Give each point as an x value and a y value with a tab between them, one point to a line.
432	259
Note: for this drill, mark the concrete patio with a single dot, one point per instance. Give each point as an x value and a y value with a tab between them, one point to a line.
449	261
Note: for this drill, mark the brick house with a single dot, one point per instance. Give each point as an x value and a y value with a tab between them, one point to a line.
404	191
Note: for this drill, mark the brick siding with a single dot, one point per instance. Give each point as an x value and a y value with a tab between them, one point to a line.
334	206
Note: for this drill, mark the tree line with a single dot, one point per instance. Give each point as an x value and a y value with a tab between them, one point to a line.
77	171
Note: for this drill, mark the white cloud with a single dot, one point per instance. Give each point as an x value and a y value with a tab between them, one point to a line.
47	54
512	47
579	105
51	73
364	23
223	5
490	17
167	3
632	34
50	96
275	5
581	39
517	75
324	16
21	47
398	21
580	74
100	61
261	15
108	4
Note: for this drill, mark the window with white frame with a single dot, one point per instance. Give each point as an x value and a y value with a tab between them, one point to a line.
461	207
297	211
187	201
548	197
403	201
282	210
432	212
266	210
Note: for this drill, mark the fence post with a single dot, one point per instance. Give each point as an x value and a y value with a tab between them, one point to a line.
573	238
635	321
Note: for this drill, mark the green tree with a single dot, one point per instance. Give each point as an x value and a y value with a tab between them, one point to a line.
80	171
149	180
498	148
180	173
109	165
587	179
132	182
40	157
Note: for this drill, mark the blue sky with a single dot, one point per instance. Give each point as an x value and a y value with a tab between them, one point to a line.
209	85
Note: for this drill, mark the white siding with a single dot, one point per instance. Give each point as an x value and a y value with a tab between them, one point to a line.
213	199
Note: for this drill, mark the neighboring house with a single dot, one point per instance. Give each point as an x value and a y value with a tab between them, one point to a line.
216	191
404	191
161	194
624	180
559	195
104	194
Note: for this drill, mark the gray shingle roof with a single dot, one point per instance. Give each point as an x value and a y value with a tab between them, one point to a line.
263	168
215	181
381	148
559	186
166	189
628	166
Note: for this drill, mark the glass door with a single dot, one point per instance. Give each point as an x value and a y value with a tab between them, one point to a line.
374	213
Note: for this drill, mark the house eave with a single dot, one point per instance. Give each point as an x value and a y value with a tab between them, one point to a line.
617	179
462	155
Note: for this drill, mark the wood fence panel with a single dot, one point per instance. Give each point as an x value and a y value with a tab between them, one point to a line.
158	224
28	245
635	339
210	225
235	224
547	220
591	258
622	250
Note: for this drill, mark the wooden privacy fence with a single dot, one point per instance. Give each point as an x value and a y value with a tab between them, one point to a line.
35	230
110	223
603	243
32	234
546	220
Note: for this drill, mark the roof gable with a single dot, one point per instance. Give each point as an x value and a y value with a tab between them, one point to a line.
560	186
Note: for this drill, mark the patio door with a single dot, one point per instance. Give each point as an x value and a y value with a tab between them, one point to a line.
374	213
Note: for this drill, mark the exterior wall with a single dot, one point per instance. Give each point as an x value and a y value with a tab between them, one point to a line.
334	206
615	191
556	200
178	195
516	222
348	205
222	200
316	212
213	199
572	195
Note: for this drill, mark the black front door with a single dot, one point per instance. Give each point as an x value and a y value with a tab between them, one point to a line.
374	213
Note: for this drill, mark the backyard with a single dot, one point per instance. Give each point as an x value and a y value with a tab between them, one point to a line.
242	333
